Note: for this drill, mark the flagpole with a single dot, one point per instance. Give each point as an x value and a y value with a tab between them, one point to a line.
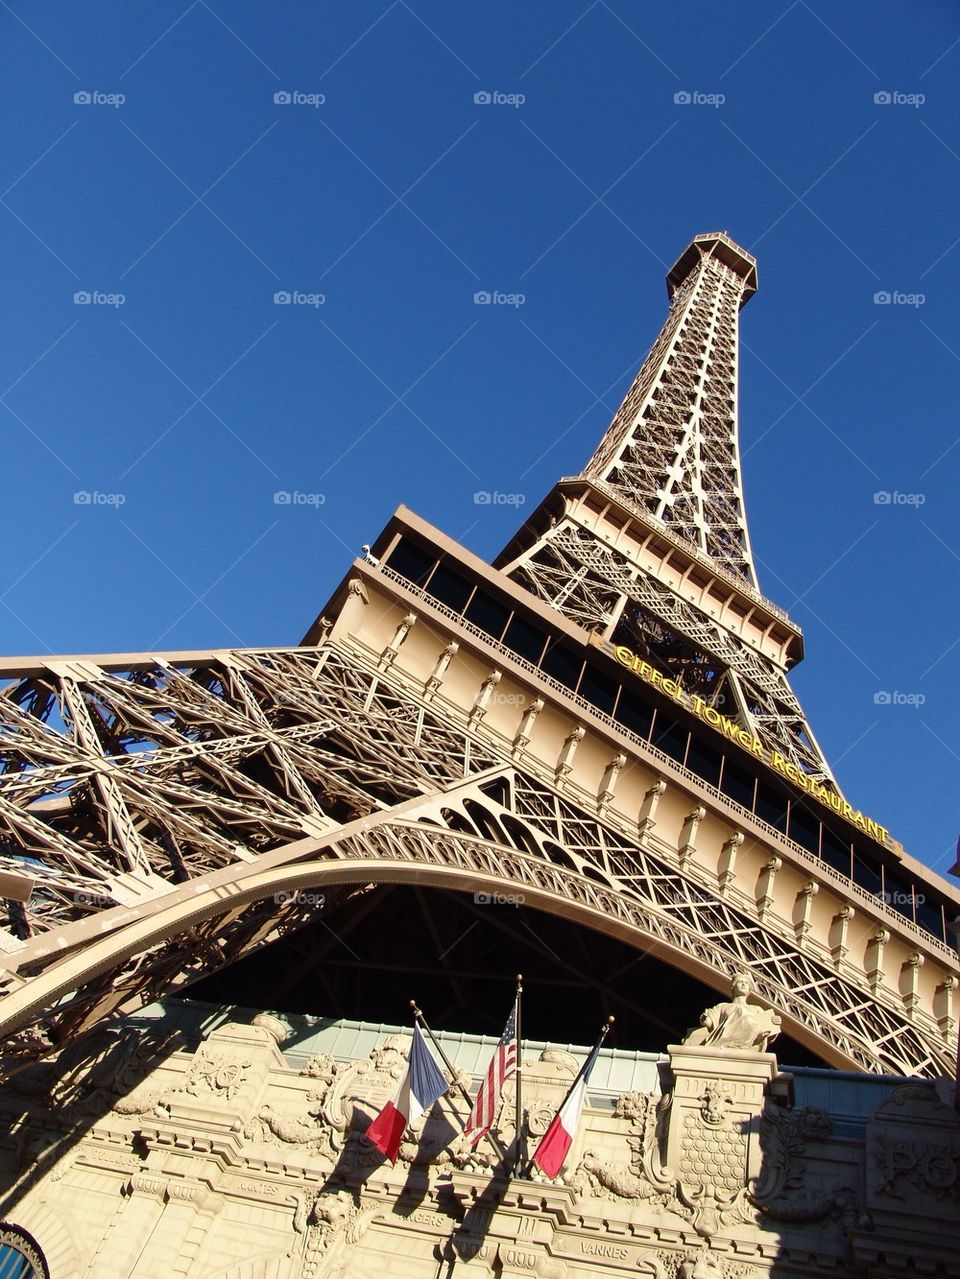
421	1020
518	1153
580	1073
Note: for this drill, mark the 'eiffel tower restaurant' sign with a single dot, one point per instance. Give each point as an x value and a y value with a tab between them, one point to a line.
734	732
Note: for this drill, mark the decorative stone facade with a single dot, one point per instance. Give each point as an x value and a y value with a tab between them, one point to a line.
137	1157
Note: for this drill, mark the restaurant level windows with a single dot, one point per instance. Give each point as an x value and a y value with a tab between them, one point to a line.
835	851
412	561
670	737
562	664
804	827
771	806
525	639
598	689
738	784
635	715
487	613
867	873
930	915
704	760
450	588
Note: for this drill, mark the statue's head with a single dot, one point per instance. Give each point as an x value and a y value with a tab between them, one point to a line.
741	984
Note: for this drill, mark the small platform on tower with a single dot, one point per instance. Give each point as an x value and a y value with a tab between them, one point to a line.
719	245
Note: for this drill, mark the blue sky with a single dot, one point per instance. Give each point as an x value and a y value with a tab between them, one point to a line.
186	407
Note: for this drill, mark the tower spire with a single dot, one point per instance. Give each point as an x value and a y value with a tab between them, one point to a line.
648	546
671	450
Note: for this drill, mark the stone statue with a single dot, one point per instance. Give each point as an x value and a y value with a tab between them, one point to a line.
736	1024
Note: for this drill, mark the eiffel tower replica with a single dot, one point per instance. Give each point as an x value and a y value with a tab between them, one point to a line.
601	722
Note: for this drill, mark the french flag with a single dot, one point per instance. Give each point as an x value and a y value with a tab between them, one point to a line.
416	1092
557	1140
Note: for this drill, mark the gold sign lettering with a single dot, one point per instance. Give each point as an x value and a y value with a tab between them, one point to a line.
734	732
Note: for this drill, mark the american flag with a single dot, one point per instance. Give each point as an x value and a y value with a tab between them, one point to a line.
503	1064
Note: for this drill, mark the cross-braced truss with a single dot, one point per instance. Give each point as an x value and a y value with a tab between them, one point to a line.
671	449
170	816
670	457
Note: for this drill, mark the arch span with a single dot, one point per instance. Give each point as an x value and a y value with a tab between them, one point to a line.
699	934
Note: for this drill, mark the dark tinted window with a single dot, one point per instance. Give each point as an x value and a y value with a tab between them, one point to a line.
804	827
866	872
738	784
599	690
771	806
930	915
836	851
562	664
526	639
634	715
450	588
670	736
487	613
704	760
412	561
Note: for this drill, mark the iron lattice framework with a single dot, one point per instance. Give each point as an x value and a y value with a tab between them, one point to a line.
669	462
171	815
162	816
671	449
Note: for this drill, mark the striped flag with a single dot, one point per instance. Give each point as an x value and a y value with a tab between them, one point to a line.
557	1140
416	1092
503	1064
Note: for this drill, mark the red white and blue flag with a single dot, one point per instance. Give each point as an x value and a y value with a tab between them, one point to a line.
557	1140
416	1092
503	1064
